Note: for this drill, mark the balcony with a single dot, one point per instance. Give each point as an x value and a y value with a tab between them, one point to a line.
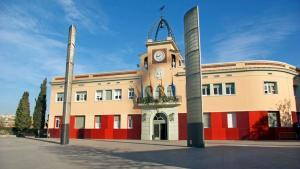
164	101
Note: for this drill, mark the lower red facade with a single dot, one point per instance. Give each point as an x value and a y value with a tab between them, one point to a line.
105	132
252	125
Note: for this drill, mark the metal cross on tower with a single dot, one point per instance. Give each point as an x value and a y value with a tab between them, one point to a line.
161	24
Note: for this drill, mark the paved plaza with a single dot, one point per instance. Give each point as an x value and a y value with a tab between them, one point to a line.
29	153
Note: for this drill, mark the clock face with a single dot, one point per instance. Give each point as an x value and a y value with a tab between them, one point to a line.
159	56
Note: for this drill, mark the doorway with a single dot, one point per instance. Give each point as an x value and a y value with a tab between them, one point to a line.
160	127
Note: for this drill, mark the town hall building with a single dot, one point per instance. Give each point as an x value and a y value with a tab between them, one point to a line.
257	99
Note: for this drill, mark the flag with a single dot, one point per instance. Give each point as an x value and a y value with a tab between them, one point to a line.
142	91
150	86
173	88
162	89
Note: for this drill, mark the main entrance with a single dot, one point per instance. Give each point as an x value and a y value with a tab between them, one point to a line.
160	127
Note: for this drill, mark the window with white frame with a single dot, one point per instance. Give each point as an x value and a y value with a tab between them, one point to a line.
60	97
108	94
273	119
117	121
230	88
98	122
131	93
206	90
206	120
130	122
79	122
117	94
81	96
99	95
270	87
57	122
217	89
231	120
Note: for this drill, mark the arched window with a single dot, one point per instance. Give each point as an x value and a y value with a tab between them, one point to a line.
173	63
160	117
146	63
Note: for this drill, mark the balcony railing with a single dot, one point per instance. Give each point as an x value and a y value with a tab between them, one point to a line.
163	101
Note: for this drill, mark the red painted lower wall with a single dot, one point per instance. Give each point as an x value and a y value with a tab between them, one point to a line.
105	132
250	125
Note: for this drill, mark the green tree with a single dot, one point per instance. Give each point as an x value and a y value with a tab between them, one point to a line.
23	120
40	108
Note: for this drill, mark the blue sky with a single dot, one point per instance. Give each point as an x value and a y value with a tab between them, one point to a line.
111	35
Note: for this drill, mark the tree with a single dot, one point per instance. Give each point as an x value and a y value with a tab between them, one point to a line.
40	108
23	120
284	108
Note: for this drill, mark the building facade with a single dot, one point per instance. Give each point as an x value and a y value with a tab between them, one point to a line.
241	100
7	121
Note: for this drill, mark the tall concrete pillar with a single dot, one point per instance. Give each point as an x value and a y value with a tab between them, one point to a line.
64	139
193	79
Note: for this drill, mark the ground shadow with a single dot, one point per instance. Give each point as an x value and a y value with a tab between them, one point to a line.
167	143
221	157
43	140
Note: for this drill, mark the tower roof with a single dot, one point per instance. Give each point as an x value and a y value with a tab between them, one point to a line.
158	26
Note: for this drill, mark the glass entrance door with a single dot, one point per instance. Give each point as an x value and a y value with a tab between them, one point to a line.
156	132
160	127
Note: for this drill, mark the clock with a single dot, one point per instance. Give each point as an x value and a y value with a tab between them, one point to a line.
159	56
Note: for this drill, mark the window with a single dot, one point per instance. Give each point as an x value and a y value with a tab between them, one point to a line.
81	96
206	90
130	122
99	95
273	119
108	94
117	122
57	122
296	91
217	89
206	120
146	63
173	61
230	88
271	88
97	122
130	93
118	94
231	120
79	122
60	97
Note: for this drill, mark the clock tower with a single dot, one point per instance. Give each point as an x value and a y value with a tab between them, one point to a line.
160	67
